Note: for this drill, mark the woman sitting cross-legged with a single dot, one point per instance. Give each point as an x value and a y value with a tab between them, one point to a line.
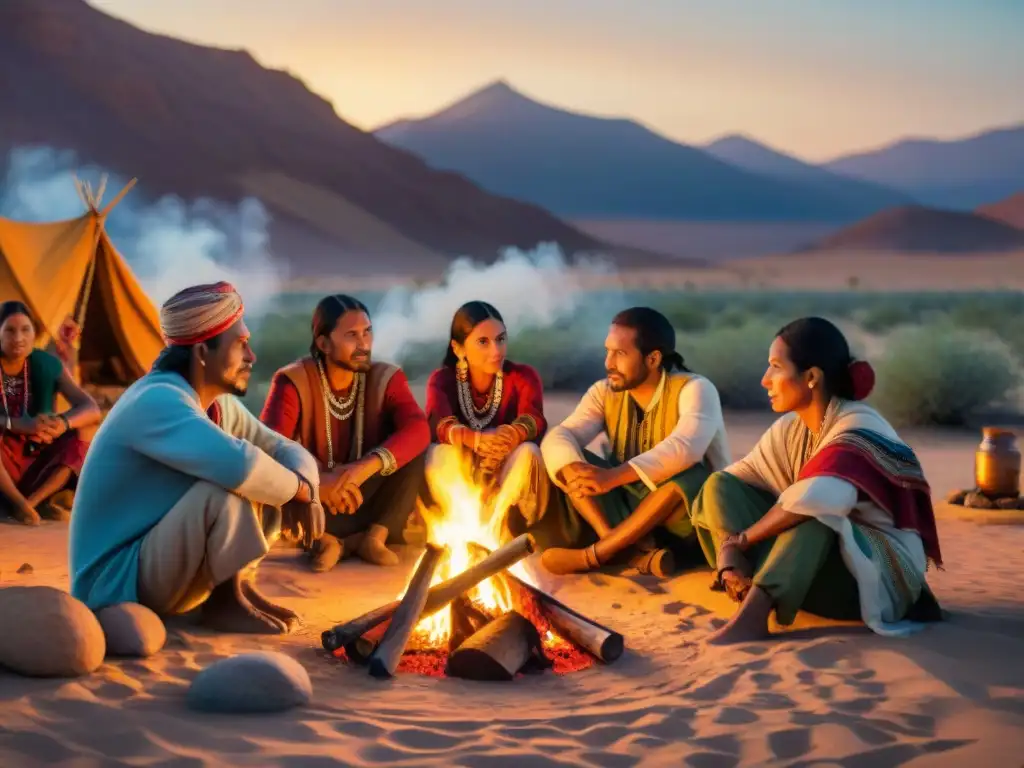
484	407
41	450
830	512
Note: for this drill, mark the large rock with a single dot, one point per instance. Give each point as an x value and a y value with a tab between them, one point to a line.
132	630
261	681
45	632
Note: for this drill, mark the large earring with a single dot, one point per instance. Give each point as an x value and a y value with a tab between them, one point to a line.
462	369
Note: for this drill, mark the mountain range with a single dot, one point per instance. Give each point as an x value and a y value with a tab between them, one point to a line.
587	167
495	169
957	174
581	166
198	121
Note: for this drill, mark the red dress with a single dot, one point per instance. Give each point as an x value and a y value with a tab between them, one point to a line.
522	402
30	465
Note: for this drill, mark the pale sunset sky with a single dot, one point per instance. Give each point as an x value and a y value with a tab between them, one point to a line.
816	78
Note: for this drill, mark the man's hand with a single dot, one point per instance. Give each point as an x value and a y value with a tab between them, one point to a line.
340	488
306	511
584	479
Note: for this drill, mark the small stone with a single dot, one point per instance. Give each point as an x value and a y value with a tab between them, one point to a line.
956	497
978	501
262	681
48	633
26	568
131	630
1008	503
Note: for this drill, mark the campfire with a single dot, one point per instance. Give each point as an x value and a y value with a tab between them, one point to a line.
471	609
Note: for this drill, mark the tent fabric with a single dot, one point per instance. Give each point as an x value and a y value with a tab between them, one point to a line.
47	266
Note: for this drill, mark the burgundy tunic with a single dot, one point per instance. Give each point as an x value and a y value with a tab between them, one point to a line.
401	426
522	402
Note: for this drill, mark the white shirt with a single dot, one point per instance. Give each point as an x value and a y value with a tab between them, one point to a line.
700	431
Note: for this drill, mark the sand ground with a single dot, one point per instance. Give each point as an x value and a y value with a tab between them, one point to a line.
815	696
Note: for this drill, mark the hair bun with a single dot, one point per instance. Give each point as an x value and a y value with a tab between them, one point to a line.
862	375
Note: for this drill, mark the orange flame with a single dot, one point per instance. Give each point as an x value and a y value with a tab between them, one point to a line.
466	513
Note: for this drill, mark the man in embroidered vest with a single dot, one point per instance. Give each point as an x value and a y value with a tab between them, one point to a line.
361	422
181	492
666	434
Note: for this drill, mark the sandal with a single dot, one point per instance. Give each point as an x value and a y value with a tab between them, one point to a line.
734	575
655	562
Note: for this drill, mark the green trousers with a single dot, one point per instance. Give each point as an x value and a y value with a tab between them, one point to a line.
802	568
562	525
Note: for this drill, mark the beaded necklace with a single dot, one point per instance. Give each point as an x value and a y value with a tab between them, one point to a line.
478	418
8	390
342	410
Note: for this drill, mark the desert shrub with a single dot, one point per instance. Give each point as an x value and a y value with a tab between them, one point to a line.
885	317
941	374
734	359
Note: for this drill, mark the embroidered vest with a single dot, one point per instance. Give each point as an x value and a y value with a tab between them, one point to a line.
312	432
630	436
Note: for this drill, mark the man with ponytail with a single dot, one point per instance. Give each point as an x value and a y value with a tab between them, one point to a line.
363	425
666	434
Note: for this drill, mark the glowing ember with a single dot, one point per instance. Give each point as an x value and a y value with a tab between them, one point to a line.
469	520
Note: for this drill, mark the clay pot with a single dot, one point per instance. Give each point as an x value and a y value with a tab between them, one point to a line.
997	464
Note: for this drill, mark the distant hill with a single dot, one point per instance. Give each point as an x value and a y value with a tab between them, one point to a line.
914	228
750	155
589	167
960	173
1009	211
200	121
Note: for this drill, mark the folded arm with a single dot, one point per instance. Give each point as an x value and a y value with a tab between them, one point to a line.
530	416
814	497
412	431
700	417
177	433
563	445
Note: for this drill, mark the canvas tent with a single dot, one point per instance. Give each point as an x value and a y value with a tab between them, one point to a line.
71	269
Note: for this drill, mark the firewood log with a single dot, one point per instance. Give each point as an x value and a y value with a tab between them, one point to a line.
496	652
438	597
385	658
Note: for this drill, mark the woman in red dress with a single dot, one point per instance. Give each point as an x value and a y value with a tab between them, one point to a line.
40	450
489	410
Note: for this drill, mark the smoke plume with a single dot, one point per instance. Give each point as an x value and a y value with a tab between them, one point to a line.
532	289
169	244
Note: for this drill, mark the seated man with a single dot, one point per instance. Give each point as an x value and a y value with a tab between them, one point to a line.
667	435
361	422
171	501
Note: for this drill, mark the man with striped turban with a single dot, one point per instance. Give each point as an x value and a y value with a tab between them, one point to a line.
362	423
182	487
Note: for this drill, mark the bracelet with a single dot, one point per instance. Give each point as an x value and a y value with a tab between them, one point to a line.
67	424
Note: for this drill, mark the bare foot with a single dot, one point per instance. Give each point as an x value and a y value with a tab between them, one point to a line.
325	552
351	544
261	603
377	553
373	549
749	623
25	514
53	511
562	561
229	610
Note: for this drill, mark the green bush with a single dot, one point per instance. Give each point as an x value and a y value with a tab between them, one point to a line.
734	359
941	374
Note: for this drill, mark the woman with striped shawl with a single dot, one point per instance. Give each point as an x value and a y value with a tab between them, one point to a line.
830	512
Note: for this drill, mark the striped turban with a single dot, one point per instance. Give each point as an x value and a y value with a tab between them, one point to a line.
199	313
